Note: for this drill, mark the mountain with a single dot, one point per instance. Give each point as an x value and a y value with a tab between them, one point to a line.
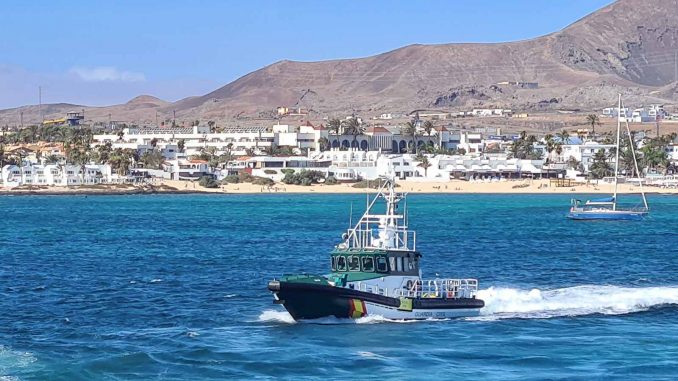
630	46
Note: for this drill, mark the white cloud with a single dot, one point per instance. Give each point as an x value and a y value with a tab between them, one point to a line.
107	74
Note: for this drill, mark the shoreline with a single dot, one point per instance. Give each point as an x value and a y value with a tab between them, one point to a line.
451	187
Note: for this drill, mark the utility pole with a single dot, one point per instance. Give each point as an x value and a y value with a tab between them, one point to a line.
174	118
42	118
156	120
21	119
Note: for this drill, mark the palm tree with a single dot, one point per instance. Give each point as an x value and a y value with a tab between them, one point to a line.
550	143
323	143
600	167
410	129
593	120
181	144
564	136
423	163
52	159
428	127
353	127
211	125
335	125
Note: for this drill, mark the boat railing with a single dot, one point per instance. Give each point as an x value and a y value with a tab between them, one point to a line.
403	239
428	288
443	288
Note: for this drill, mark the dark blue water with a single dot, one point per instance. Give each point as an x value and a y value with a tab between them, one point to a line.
173	287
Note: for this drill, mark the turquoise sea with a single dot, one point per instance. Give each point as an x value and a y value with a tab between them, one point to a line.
173	287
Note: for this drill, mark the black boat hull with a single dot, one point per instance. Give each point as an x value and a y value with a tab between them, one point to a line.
313	301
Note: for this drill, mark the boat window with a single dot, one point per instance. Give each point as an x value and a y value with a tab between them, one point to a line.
341	263
353	263
382	266
368	264
333	259
407	264
400	264
391	261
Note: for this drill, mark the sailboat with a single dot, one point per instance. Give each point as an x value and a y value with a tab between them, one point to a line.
606	208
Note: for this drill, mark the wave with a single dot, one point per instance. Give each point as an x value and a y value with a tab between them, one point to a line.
11	361
276	317
572	301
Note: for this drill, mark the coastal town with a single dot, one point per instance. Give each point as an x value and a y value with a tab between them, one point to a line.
425	151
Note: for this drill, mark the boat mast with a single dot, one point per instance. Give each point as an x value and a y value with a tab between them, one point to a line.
616	160
635	163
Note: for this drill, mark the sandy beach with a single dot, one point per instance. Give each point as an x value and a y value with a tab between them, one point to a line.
506	187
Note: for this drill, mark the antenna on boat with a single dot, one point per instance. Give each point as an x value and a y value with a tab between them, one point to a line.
616	160
367	211
350	217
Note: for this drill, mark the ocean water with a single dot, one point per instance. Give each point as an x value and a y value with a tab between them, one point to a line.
173	287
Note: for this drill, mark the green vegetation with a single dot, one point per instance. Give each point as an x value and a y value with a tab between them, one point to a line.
303	177
264	181
523	148
208	182
244	177
593	120
600	167
331	180
231	179
372	184
423	163
409	129
152	159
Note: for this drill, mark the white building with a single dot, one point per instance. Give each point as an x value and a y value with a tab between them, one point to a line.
184	169
612	112
274	167
237	140
584	153
489	112
55	175
640	115
470	142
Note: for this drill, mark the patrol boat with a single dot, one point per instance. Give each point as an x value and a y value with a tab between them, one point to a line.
376	271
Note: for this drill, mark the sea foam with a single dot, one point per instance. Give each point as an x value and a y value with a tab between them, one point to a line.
572	301
276	317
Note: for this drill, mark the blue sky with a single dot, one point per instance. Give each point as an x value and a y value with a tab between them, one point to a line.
106	52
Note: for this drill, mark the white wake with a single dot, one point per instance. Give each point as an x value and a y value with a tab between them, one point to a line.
573	301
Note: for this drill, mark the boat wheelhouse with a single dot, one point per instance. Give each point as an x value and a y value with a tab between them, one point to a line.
376	270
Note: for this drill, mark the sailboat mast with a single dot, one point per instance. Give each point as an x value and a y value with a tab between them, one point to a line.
616	159
635	163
